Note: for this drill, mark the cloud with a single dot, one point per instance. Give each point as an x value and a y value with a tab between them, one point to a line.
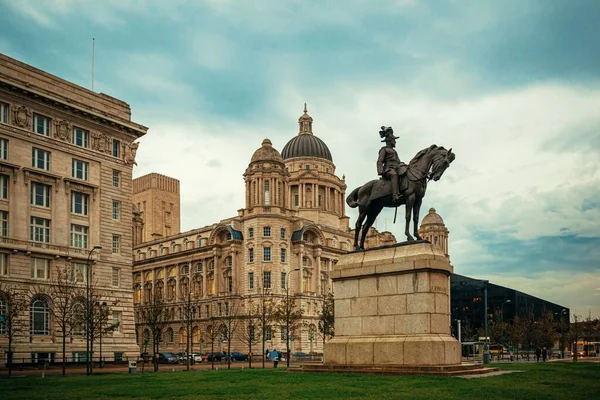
515	91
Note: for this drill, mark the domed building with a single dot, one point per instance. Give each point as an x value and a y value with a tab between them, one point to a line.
283	243
433	229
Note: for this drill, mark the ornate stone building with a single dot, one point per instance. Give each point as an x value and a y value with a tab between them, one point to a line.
433	229
289	235
66	158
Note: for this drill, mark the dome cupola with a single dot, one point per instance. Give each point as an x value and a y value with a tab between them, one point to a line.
306	144
266	152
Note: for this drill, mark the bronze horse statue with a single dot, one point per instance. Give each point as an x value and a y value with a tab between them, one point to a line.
374	195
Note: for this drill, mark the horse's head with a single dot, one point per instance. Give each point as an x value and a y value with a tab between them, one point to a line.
440	163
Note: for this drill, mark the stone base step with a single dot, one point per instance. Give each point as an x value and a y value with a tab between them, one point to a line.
444	370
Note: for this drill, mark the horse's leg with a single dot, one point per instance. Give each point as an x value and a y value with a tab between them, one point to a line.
416	210
371	215
359	221
410	201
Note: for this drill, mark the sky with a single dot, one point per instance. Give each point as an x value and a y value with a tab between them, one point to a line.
513	87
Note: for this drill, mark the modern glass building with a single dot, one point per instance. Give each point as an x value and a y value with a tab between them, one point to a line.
467	303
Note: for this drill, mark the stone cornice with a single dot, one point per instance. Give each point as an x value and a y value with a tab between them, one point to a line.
75	107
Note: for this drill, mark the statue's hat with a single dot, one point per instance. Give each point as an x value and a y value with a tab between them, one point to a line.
387	133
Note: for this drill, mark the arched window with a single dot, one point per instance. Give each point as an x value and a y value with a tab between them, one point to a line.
162	250
40	317
199	242
149	252
186	243
3	311
77	319
170	335
182	335
335	241
137	294
199	267
196	334
173	247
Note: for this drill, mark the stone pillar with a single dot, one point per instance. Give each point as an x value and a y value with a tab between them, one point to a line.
392	308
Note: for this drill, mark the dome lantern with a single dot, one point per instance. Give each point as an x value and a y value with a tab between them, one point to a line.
306	144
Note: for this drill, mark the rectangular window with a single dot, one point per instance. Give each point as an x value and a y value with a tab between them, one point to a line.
116	277
116	321
229	284
4	187
267	279
4	113
79	236
296	200
39	230
250	280
79	272
4	148
116	150
3	266
116	209
40	159
79	203
267	254
116	178
80	170
4	223
41	268
116	244
268	333
250	233
41	124
283	253
267	231
80	137
226	308
251	255
40	194
282	233
220	308
283	280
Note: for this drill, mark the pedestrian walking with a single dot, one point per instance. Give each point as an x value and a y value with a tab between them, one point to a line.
544	354
538	353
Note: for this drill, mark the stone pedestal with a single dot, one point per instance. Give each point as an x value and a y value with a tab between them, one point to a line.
392	308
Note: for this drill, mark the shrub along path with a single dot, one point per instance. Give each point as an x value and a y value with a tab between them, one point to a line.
536	381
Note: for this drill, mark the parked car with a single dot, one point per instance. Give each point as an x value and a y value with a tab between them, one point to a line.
236	356
218	356
197	358
167	358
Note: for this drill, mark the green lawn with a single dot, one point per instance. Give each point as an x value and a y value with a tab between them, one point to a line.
537	381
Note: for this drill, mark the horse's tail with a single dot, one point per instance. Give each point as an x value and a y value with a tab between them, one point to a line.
352	199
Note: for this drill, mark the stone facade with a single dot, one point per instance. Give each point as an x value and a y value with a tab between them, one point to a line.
156	198
66	157
289	235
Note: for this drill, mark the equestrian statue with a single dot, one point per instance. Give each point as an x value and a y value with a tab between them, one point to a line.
399	184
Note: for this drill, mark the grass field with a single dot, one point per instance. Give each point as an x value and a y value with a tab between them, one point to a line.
536	381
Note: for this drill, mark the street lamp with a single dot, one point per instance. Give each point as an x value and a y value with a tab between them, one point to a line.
287	315
562	334
486	346
88	342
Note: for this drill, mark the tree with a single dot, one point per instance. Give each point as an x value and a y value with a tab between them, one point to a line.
102	324
212	333
155	316
327	318
287	314
249	332
188	314
231	321
265	312
13	304
68	310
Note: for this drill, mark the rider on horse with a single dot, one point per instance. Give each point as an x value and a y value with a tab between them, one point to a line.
389	165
